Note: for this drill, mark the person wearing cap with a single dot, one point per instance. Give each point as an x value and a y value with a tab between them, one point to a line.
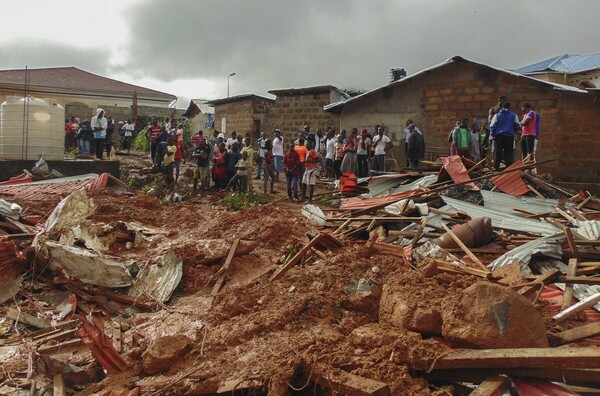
362	152
277	152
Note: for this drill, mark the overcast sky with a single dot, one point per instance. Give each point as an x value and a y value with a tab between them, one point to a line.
188	47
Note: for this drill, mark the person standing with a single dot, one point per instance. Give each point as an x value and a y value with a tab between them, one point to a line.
178	156
197	138
291	162
231	140
232	159
68	134
110	129
251	159
269	167
309	179
416	147
239	182
503	127
153	131
261	154
127	130
330	154
162	141
301	150
381	143
201	172
87	134
528	130
220	166
475	143
169	160
407	135
461	137
338	157
99	125
363	150
277	152
350	163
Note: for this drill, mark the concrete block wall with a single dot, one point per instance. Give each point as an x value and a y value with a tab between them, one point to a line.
568	126
291	112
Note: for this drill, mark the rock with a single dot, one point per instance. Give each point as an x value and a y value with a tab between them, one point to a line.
492	316
164	352
399	307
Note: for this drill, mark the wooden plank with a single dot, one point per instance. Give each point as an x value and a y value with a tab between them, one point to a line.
343	383
225	268
116	334
565	375
296	259
583	203
568	294
575	309
576	334
516	357
59	385
60	336
344	225
536	192
581	280
63	347
564	214
572	245
25	318
492	386
465	249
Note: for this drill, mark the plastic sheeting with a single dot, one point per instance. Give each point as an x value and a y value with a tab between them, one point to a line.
503	220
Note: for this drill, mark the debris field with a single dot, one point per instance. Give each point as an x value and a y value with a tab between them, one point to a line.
456	282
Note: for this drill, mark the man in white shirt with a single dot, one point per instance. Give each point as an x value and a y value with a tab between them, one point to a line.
381	143
99	125
231	140
127	130
277	152
262	143
331	140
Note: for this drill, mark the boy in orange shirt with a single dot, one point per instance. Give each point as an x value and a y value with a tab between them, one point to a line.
310	175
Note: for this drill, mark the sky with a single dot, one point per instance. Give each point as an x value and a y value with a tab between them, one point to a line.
189	47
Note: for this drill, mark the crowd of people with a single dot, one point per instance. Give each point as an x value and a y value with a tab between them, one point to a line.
501	138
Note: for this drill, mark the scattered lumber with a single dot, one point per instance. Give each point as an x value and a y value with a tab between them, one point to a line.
225	268
343	383
575	334
516	357
493	386
25	318
575	309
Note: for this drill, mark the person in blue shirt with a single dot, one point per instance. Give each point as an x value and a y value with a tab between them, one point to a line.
503	126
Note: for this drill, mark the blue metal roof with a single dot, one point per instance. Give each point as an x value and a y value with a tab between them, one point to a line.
566	63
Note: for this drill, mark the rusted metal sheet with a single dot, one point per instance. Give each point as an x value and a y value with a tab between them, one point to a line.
456	169
511	183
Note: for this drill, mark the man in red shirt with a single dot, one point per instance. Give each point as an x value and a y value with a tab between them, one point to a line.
68	134
291	161
178	156
153	131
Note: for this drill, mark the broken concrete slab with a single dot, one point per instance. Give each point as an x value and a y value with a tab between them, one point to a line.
493	316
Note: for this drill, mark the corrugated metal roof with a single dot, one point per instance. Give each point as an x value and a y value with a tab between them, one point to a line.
507	203
589	229
456	169
503	220
423	182
511	183
53	190
389	184
547	246
566	63
451	60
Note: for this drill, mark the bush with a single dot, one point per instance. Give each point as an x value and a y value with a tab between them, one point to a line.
239	200
142	142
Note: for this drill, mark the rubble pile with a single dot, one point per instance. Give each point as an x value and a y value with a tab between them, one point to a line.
428	285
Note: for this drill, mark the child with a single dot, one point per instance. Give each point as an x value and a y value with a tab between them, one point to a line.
291	161
169	160
240	179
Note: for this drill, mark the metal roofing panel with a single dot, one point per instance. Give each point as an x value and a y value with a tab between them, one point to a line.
547	246
389	184
503	220
423	182
511	183
507	203
566	63
456	169
589	229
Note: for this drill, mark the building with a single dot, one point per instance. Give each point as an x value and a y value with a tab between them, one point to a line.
581	71
437	97
296	107
202	115
241	113
81	92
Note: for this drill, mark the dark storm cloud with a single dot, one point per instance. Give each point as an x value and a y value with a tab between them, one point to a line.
277	43
17	54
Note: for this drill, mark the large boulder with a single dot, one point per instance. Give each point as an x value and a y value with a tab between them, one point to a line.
491	316
164	352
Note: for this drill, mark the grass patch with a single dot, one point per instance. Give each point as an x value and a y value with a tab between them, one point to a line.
239	200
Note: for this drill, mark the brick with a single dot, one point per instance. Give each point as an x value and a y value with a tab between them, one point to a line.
483	98
445	91
472	90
